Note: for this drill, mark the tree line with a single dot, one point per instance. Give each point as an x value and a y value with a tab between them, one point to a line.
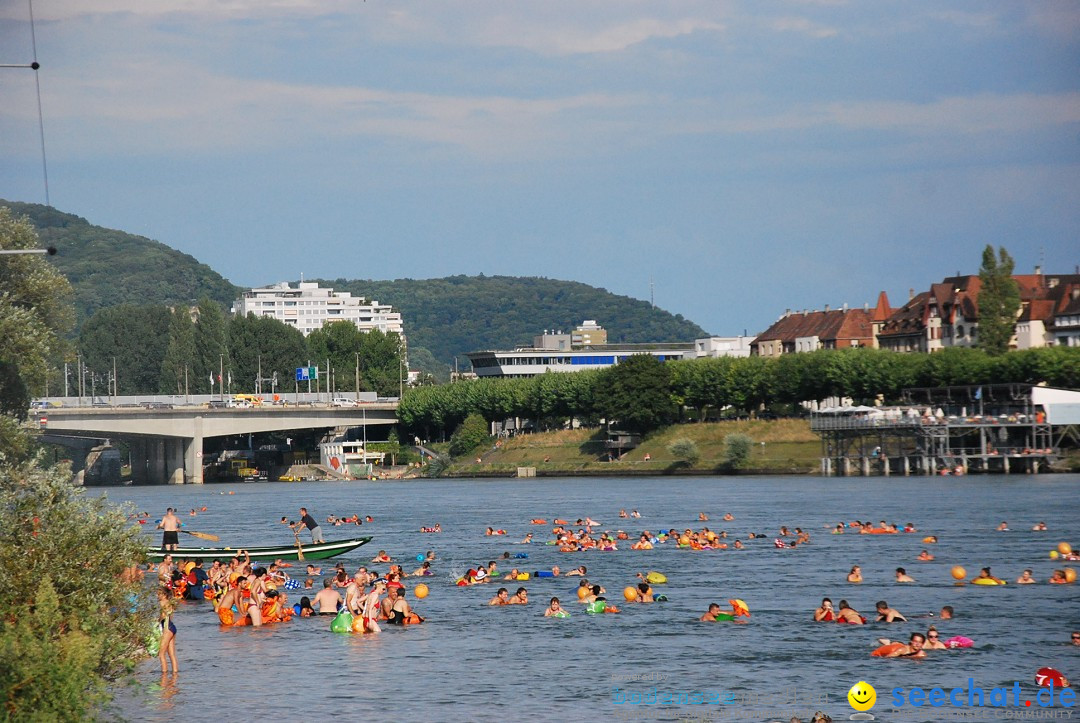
155	349
643	393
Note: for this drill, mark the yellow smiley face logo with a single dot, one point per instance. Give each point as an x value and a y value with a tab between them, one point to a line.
862	696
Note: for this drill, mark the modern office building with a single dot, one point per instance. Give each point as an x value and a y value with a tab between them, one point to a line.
308	307
555	351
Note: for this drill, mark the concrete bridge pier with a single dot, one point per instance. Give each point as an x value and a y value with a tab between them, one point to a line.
193	455
174	461
138	459
155	452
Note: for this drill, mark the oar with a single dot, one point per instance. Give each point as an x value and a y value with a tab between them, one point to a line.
202	535
299	547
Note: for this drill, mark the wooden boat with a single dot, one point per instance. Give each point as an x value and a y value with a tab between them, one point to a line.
319	551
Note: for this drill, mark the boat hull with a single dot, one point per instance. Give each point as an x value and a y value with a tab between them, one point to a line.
319	551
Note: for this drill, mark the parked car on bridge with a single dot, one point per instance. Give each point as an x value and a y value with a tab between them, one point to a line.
342	402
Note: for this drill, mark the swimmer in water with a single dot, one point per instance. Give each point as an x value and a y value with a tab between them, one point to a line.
1026	578
946	613
902	576
577	571
1076	637
886	614
848	614
914	648
710	616
702	517
645	594
521	597
592	595
1003	527
855	575
728	517
635	513
554	609
1059	578
984	574
527	540
825	614
622	513
933	641
502	597
1039	527
925	556
738	545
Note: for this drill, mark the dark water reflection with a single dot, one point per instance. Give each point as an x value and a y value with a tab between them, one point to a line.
472	662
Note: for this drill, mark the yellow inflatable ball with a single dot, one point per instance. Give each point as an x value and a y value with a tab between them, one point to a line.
1064	548
958	572
1054	555
684	540
420	591
630	593
358	624
1070	574
582	592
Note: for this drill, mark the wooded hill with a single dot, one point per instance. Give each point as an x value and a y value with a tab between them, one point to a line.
444	318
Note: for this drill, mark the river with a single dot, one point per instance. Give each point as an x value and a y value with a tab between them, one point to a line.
474	662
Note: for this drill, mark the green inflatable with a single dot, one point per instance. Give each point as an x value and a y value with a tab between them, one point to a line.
342	623
596	607
724	616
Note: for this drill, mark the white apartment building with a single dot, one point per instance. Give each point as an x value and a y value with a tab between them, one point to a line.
308	307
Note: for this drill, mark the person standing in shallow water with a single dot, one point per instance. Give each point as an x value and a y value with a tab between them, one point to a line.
170	524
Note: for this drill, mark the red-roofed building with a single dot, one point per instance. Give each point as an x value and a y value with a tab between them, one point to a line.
803	331
948	315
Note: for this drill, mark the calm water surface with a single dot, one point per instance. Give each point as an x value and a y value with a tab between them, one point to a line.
473	662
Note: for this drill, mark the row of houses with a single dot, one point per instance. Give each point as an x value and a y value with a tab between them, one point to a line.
947	315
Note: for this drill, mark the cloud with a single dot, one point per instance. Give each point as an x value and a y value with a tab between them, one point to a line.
803	26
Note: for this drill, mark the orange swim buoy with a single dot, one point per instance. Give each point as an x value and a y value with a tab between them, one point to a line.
886	650
538	522
559	522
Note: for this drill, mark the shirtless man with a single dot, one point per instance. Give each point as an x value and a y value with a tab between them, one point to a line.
354	593
946	613
502	597
370	607
521	597
914	648
902	576
328	599
925	556
710	616
386	607
886	614
232	597
170	523
577	571
1026	578
165	571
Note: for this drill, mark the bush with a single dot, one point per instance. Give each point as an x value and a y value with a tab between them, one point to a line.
469	435
685	450
69	622
737	449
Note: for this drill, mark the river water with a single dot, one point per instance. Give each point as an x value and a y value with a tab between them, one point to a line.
474	662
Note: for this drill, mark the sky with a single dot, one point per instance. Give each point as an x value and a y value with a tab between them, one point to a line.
728	159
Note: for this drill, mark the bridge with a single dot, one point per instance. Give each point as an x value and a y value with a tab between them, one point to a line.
166	437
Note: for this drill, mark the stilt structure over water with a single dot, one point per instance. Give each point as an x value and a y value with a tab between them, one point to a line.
997	428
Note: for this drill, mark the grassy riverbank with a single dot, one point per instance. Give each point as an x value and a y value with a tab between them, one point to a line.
780	446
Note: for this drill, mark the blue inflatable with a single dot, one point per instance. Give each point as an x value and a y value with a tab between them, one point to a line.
521	556
543	573
419	558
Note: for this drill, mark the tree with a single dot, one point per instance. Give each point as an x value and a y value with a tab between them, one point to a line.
178	365
133	339
635	394
211	352
35	313
264	344
999	301
380	357
472	433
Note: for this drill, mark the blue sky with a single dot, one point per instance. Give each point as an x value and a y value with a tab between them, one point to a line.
744	157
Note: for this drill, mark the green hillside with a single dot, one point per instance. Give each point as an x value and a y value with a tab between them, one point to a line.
459	314
108	267
444	318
